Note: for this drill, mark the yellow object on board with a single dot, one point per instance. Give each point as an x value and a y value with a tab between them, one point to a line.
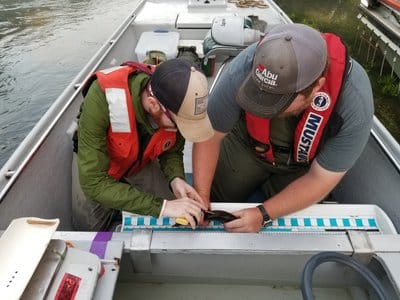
182	221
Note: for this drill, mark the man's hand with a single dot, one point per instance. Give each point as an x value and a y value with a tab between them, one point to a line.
181	189
185	207
250	220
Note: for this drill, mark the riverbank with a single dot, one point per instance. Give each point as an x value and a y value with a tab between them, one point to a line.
340	17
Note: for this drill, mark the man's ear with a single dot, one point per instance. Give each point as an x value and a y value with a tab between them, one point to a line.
152	104
320	83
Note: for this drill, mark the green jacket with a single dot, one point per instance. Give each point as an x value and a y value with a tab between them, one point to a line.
93	161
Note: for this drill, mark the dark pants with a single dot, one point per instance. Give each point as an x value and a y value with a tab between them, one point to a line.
89	215
240	173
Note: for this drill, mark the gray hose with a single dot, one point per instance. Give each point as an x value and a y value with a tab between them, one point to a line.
316	260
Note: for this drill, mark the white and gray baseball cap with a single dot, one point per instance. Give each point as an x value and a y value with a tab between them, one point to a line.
287	60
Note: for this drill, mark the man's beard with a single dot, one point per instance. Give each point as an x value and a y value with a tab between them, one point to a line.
157	117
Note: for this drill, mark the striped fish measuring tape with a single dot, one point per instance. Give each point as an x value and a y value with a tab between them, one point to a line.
288	224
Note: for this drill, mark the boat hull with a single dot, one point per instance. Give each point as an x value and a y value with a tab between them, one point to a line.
208	265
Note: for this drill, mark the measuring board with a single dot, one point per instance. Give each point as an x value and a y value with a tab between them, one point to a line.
317	218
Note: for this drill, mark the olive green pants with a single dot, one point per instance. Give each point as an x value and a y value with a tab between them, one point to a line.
89	215
240	173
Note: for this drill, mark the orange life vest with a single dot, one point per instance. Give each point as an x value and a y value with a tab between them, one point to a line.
122	136
314	119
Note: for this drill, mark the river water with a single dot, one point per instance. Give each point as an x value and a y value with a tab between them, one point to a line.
45	43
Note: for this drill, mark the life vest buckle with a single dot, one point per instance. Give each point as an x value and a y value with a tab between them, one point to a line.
261	149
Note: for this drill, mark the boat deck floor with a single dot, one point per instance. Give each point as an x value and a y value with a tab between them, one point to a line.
229	292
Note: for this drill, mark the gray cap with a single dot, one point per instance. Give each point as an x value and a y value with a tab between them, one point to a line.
287	60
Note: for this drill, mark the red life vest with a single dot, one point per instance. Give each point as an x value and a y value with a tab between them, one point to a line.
122	136
314	119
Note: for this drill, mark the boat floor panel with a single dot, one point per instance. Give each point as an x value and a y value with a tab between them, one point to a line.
225	292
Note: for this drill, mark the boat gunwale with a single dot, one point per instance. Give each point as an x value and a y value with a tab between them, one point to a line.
19	159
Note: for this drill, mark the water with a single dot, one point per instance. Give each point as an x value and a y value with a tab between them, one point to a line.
43	45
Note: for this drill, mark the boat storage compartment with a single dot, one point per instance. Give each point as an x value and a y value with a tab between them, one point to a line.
164	41
36	266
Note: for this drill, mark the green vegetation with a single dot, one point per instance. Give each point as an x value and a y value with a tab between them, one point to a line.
340	17
389	85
